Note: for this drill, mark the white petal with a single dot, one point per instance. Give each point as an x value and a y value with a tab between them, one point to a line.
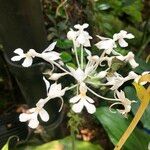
50	47
87	43
71	35
133	63
44	115
51	56
41	103
27	62
81	39
132	75
33	123
90	107
79	75
122	43
102	38
77	108
90	100
47	84
85	25
75	99
18	51
88	52
24	117
16	58
122	58
102	74
129	36
56	76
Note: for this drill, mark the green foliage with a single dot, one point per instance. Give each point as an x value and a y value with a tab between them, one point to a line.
115	125
64	44
6	146
66	57
63	144
74	121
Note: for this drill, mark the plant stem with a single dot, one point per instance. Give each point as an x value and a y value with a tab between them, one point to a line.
73	139
76	54
82	58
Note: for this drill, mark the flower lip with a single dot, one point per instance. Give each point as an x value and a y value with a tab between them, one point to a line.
82	100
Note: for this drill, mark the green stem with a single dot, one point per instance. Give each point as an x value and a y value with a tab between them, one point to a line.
76	54
82	57
73	139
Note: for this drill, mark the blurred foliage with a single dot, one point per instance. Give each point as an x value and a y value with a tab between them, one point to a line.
63	144
105	17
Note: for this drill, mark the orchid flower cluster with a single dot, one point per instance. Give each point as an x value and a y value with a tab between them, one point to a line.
87	66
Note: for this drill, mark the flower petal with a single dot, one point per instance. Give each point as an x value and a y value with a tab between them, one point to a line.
77	108
122	42
33	123
47	84
75	99
44	115
90	100
24	117
27	62
90	107
51	56
18	51
129	36
50	47
16	58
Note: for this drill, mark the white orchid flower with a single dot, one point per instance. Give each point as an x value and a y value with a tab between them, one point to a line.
117	80
123	101
78	74
82	100
83	37
28	56
139	76
107	44
54	76
71	35
129	58
121	36
49	55
55	90
32	115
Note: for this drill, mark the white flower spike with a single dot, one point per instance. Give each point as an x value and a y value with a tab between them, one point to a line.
28	56
121	36
123	101
82	100
32	115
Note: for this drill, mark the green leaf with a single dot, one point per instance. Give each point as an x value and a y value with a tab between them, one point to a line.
64	44
131	94
63	144
66	57
6	146
115	125
103	6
